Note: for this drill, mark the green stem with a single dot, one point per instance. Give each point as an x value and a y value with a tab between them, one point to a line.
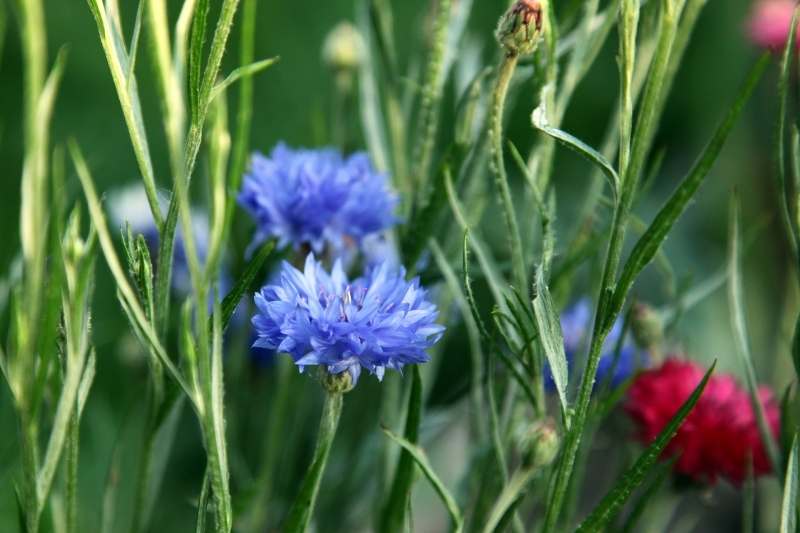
73	441
504	76
431	95
300	513
644	131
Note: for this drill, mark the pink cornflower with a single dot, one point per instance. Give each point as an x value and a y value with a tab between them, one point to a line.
720	436
770	22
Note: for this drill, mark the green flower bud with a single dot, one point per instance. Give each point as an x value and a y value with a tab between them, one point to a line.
336	383
646	326
539	443
520	28
344	48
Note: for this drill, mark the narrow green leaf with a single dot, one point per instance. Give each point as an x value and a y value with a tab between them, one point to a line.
509	497
552	339
539	121
612	503
394	513
421	459
242	72
741	338
127	92
197	41
133	50
369	94
243	284
780	155
649	244
789	507
128	295
662	472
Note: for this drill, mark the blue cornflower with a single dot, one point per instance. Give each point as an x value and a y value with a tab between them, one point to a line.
375	322
576	324
316	198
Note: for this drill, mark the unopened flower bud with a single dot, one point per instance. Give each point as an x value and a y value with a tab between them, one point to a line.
520	28
539	443
646	326
344	48
336	383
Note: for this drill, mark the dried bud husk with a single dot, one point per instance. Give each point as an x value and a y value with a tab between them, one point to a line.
539	443
336	383
646	326
344	48
520	29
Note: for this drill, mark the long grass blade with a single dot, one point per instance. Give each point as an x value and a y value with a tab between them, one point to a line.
649	244
612	503
789	508
741	338
421	459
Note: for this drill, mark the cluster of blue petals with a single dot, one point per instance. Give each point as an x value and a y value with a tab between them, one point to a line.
374	322
576	323
316	198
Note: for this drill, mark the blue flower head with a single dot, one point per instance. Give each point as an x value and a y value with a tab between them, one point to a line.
576	324
316	197
375	322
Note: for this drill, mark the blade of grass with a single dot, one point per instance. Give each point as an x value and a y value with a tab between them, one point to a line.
741	338
394	514
789	507
552	341
780	146
127	92
421	459
649	244
612	503
241	73
539	121
117	270
508	498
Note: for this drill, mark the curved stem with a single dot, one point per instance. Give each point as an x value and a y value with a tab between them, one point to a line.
303	506
499	169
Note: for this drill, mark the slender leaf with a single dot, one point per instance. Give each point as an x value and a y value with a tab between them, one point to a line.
789	507
242	72
539	121
612	503
739	325
127	292
780	155
393	516
649	244
509	497
421	459
552	339
232	299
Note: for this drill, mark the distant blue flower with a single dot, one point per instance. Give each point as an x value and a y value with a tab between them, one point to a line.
576	324
375	322
316	198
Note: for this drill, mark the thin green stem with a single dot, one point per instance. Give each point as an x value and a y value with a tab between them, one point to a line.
644	131
300	513
506	72
431	95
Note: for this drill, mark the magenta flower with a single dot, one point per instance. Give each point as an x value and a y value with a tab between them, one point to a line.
770	22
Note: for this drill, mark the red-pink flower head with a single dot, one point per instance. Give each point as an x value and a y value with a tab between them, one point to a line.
720	436
770	22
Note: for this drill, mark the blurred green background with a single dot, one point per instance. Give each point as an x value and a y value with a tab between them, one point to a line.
292	103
